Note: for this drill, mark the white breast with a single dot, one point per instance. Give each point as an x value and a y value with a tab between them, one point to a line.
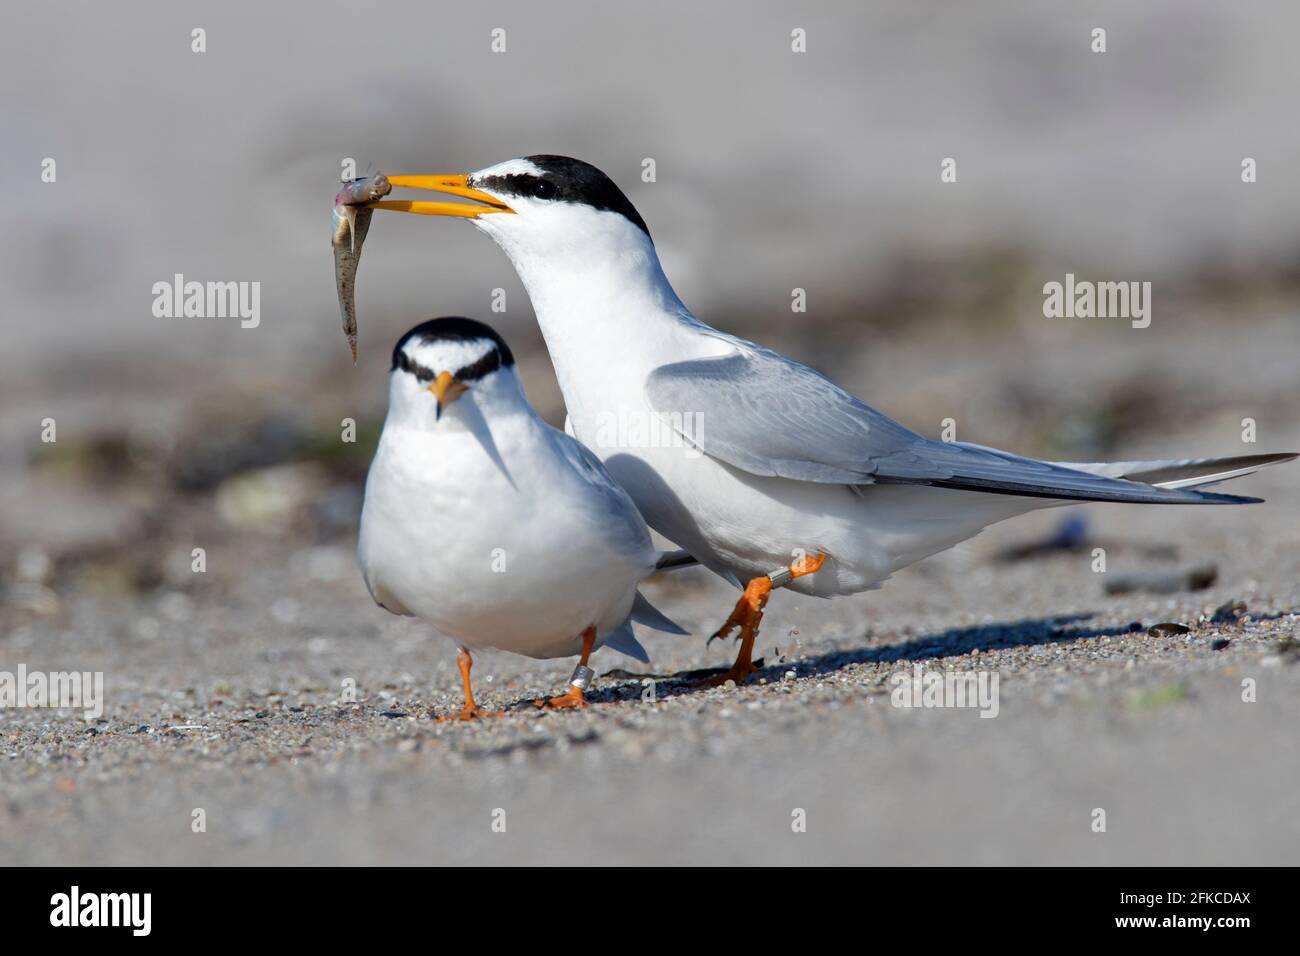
447	536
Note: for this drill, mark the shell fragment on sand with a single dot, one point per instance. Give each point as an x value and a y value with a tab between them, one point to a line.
351	223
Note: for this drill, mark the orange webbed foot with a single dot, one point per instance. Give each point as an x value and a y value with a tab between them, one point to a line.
470	712
748	614
739	673
575	699
808	564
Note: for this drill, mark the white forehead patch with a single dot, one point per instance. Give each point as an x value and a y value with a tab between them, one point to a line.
448	355
511	167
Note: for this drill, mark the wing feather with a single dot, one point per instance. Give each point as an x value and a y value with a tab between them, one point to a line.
766	415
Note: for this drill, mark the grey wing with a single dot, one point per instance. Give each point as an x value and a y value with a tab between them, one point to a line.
767	415
615	512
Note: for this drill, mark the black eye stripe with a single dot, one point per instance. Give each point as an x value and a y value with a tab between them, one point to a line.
477	369
469	373
565	180
521	184
453	329
408	364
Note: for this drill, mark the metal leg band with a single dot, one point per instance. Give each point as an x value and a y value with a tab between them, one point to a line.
582	678
781	577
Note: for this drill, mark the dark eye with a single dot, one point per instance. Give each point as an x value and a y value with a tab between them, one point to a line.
543	189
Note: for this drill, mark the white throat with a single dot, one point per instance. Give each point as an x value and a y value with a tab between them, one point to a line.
607	311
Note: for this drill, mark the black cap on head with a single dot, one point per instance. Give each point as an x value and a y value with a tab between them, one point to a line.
564	179
453	328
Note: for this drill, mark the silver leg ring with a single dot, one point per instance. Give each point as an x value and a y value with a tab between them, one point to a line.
781	577
582	678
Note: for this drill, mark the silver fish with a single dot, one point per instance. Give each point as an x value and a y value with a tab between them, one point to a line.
351	223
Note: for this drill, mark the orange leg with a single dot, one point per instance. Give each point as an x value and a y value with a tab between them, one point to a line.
471	710
748	614
575	698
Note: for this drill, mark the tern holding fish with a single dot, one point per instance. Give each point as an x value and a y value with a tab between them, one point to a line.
498	529
799	483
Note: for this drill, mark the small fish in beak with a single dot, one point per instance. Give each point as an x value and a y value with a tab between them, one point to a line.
352	214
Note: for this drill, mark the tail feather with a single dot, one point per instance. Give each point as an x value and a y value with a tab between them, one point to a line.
970	467
1178	473
675	559
625	642
645	613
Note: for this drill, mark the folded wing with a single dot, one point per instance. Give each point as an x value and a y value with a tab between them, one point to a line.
760	412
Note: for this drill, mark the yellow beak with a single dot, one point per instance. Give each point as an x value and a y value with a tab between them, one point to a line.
446	390
452	186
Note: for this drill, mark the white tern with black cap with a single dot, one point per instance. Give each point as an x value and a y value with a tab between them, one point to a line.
498	529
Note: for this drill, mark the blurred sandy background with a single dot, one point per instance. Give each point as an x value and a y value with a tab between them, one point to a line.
774	171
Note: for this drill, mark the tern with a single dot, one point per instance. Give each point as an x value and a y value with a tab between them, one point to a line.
782	478
496	528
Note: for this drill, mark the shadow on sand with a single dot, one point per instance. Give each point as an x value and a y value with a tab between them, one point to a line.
955	642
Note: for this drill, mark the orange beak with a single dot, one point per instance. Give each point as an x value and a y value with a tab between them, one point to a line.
450	185
446	390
